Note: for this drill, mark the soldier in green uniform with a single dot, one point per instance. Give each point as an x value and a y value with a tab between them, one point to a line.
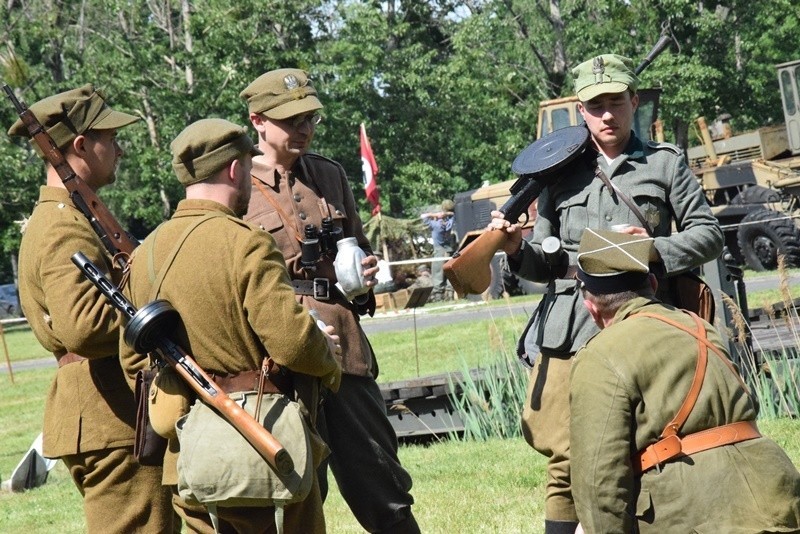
229	283
663	434
89	412
657	181
299	195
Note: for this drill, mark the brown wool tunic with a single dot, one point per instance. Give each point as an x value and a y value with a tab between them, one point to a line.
315	188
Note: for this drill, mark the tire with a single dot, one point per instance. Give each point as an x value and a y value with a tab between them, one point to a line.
757	194
763	234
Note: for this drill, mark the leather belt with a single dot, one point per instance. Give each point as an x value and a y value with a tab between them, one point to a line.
674	446
67	358
319	288
248	381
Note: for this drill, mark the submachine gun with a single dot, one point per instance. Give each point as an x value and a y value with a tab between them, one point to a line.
537	166
147	329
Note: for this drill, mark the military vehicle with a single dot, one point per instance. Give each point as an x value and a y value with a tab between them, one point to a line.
752	181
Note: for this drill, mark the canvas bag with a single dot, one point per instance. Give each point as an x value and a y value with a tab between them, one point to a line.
218	467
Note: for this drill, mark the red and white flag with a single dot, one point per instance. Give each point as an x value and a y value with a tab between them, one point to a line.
369	172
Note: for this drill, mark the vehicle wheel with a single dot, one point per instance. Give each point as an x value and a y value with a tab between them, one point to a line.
763	234
757	194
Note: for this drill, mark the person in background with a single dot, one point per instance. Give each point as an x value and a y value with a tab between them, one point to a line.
444	244
297	191
658	382
655	178
90	413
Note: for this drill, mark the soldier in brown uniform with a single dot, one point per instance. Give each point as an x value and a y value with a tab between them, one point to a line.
89	413
663	429
292	190
245	311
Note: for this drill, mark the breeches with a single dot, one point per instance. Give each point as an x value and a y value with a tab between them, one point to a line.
545	425
363	456
119	495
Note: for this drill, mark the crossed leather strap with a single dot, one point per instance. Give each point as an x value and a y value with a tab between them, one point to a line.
671	445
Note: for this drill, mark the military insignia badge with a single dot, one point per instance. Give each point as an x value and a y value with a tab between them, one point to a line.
291	82
598	68
652	216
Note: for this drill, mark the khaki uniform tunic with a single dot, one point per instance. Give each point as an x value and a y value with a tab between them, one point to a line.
230	286
622	399
89	412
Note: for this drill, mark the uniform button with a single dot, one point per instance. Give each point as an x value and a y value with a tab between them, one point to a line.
339	212
296	197
302	216
608	218
61	205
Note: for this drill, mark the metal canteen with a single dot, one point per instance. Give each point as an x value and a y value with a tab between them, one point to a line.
349	271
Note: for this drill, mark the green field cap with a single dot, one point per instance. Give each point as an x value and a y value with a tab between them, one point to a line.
72	113
611	262
280	94
204	147
608	73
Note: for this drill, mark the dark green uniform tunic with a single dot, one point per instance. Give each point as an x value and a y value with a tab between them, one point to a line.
628	382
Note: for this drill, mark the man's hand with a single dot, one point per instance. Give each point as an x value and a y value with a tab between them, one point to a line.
370	264
514	231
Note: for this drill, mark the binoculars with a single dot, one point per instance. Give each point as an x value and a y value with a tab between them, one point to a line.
318	242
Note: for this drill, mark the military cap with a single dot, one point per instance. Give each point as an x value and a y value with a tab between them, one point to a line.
204	147
611	262
72	113
608	73
282	93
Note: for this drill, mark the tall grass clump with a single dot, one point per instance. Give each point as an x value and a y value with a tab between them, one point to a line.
490	398
774	375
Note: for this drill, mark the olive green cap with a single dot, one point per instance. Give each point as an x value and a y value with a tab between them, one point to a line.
611	262
72	113
282	93
608	73
205	147
448	205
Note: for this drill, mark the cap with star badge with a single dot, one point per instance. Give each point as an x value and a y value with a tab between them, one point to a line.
612	262
280	94
609	73
72	113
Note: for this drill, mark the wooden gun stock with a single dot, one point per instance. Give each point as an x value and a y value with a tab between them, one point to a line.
468	270
146	332
113	236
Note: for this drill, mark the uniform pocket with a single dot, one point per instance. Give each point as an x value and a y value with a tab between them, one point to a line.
573	215
271	222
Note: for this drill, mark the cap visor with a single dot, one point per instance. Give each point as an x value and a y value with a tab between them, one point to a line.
113	120
595	90
295	107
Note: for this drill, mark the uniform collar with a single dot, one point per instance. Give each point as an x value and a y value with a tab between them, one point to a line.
634	148
267	175
194	206
48	193
633	306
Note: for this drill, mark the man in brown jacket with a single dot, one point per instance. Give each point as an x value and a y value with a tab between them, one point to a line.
229	283
90	412
299	194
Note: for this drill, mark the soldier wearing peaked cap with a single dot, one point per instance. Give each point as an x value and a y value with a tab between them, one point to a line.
245	314
89	412
295	192
663	436
588	194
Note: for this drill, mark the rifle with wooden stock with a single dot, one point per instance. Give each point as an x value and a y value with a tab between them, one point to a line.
469	270
154	319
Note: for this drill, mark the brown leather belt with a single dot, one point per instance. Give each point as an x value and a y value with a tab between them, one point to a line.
248	381
674	446
67	358
319	288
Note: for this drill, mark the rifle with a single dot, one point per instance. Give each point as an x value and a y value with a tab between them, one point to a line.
147	331
116	240
469	270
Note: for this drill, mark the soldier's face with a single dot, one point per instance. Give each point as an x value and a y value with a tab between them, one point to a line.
293	135
100	153
609	118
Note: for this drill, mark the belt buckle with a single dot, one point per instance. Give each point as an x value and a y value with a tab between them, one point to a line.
322	289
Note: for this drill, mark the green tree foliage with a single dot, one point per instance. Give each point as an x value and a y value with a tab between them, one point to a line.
448	89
